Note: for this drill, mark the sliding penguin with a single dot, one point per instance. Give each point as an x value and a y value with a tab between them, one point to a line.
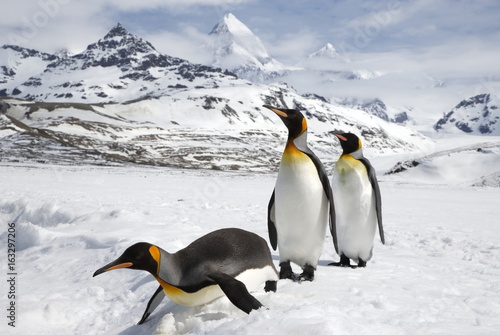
227	261
301	203
358	203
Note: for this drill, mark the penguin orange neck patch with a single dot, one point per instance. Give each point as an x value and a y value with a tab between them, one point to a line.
304	126
155	253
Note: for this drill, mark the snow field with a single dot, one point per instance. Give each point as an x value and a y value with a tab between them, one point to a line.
438	273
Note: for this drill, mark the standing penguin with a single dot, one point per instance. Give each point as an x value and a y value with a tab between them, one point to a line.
227	261
301	203
358	201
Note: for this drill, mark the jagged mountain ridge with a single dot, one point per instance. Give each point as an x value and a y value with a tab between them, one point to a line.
119	67
133	69
479	115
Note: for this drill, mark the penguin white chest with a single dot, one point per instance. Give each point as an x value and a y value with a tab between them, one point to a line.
356	218
301	210
252	278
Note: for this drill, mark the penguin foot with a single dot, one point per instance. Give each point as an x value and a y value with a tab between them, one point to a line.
344	262
286	271
307	274
361	263
271	285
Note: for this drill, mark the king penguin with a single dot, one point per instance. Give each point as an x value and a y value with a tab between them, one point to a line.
302	202
359	205
227	261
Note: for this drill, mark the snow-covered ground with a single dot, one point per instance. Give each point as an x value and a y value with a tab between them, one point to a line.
439	272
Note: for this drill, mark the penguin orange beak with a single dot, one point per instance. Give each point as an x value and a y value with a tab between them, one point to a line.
341	137
113	266
276	110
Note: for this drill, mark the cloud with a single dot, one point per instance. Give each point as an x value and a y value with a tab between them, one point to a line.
48	25
133	5
290	48
189	43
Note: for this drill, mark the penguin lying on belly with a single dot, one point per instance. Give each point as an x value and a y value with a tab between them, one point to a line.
358	203
227	261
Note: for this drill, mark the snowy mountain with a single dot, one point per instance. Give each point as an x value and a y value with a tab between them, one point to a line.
119	67
478	115
18	65
122	101
328	51
236	48
377	108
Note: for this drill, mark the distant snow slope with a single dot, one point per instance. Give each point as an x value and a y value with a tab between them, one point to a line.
471	164
199	128
438	273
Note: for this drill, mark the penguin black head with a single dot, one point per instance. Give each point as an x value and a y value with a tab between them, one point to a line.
140	256
293	120
349	142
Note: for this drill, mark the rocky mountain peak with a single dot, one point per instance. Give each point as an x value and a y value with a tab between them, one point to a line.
119	38
116	31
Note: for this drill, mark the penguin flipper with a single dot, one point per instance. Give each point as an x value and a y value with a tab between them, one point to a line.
152	304
329	194
236	292
271	226
372	176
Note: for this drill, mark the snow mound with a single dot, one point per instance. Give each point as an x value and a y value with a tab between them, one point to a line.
461	165
491	180
45	214
30	235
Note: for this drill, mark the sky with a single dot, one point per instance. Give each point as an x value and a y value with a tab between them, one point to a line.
454	44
